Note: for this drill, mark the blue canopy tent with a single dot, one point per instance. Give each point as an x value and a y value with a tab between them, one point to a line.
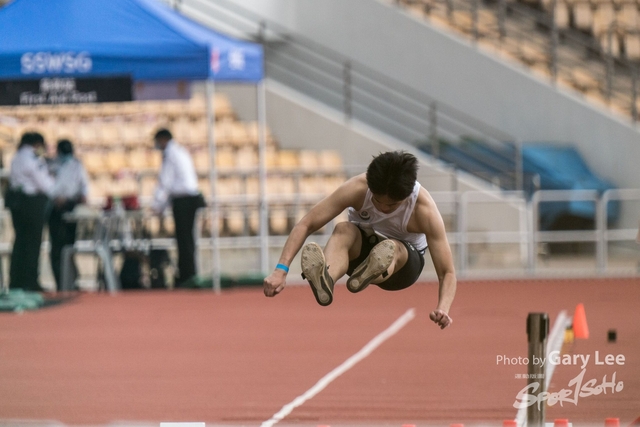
143	39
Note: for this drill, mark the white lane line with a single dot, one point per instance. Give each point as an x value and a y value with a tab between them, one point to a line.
554	343
344	367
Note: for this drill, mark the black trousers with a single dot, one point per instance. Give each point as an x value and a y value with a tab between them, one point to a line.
184	214
28	214
61	233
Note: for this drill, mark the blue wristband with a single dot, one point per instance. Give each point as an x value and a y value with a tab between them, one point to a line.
283	267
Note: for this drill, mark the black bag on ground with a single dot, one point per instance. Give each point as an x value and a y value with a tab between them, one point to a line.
158	260
131	272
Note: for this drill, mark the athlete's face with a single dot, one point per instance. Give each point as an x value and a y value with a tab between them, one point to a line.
385	204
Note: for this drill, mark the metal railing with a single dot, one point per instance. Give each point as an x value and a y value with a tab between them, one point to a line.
358	91
522	235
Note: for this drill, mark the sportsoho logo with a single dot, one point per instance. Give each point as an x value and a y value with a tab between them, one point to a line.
55	63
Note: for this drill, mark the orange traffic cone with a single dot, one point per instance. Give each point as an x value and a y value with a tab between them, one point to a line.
580	328
612	422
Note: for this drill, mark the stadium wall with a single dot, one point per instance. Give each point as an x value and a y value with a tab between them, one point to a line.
299	122
455	71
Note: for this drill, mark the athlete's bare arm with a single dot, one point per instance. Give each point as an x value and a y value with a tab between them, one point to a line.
427	219
349	194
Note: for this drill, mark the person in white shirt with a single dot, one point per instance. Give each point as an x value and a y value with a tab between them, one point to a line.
178	186
28	200
392	222
70	189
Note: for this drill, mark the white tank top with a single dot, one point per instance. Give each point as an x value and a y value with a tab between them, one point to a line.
392	225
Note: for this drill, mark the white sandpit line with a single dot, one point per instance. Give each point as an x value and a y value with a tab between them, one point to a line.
344	367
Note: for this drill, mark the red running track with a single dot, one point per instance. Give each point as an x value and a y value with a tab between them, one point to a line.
238	357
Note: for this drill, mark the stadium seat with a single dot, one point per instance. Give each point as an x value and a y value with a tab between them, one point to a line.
93	162
279	220
201	161
603	18
225	159
87	134
247	158
582	16
288	160
562	15
628	17
115	160
632	46
110	133
137	159
308	160
330	161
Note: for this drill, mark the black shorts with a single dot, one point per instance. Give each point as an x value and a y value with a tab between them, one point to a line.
400	279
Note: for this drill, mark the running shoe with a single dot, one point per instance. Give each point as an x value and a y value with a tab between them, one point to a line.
316	272
373	266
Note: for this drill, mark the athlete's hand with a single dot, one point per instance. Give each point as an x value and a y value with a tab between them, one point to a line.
440	318
274	283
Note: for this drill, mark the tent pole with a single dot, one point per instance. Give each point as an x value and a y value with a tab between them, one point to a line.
213	180
262	153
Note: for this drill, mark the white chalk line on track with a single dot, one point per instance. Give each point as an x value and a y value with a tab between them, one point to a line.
554	343
344	367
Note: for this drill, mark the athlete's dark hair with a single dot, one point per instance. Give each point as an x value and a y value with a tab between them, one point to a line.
31	138
163	134
393	174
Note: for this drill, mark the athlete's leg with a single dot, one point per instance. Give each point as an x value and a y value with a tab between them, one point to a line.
400	257
323	268
385	258
343	245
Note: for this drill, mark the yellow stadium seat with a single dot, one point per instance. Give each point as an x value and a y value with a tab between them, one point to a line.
225	159
137	159
93	162
628	17
110	133
562	15
288	160
222	107
279	220
148	185
239	135
155	159
222	133
308	160
603	17
115	160
201	161
130	133
582	15
632	46
87	134
330	161
246	158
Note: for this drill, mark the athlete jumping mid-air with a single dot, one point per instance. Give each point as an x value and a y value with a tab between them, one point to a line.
392	222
